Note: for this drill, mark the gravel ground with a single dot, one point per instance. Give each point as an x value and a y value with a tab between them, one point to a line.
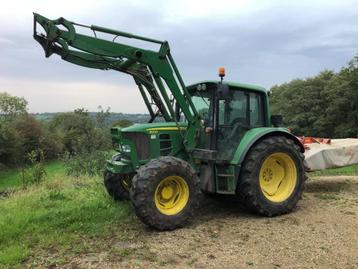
321	233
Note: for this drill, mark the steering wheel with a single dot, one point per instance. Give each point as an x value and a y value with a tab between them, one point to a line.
221	134
236	125
235	121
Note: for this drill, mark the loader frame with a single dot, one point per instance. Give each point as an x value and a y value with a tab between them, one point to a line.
154	72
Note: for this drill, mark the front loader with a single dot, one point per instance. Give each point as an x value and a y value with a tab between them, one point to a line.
212	137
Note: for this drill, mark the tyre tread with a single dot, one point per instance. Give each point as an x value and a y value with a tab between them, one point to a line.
247	189
141	185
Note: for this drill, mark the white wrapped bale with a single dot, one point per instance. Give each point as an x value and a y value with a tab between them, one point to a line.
341	152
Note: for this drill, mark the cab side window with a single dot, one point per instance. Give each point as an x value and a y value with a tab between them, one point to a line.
245	108
238	108
233	110
256	110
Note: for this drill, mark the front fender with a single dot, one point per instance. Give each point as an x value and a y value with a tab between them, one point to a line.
254	135
119	167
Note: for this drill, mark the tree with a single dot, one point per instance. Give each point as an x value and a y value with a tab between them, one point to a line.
342	93
325	105
78	132
10	144
122	123
102	117
35	136
10	140
11	106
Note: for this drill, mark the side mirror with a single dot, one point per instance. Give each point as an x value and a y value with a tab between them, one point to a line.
276	120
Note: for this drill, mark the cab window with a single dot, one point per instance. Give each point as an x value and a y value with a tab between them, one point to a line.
233	110
241	108
256	110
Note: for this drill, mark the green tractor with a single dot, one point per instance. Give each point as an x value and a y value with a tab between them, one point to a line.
212	137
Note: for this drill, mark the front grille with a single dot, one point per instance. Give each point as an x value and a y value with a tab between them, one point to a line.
114	131
141	142
165	144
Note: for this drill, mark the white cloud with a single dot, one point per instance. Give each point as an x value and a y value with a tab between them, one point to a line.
262	42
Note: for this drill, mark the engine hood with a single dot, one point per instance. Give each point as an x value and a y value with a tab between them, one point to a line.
155	127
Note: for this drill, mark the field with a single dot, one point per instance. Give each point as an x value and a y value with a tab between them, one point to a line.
68	222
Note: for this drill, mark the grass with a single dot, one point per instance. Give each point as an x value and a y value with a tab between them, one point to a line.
13	179
351	170
54	222
49	224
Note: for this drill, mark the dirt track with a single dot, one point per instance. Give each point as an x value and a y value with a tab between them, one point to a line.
321	233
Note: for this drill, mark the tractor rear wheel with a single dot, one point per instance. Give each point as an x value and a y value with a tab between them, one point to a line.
165	193
117	185
272	177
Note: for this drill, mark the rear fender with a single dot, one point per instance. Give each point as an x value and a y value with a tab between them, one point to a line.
252	137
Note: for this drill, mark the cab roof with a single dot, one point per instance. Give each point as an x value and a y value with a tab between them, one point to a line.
230	84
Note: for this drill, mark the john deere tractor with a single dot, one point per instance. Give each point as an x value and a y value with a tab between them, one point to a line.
212	137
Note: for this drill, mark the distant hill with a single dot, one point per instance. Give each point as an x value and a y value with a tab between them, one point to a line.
114	117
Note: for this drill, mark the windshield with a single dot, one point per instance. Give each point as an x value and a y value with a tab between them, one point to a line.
202	103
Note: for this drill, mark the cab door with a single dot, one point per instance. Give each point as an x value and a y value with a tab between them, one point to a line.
240	111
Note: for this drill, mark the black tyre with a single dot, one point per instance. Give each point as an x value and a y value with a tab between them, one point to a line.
117	185
272	178
165	193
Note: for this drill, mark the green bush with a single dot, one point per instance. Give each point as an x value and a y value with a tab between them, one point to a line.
76	132
10	144
34	135
11	107
79	133
90	164
35	173
122	123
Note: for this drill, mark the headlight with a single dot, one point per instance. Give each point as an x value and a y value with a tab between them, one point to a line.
126	148
116	157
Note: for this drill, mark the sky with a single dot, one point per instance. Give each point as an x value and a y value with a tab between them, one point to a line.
259	42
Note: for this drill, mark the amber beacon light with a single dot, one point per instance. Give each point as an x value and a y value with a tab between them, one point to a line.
221	72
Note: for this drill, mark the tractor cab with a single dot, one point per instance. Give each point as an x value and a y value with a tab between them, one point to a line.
228	110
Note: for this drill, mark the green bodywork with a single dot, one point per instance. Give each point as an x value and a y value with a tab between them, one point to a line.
217	155
128	161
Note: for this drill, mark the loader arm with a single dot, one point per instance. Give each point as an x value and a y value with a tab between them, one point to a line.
153	71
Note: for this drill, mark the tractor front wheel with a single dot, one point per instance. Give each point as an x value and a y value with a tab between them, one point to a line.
272	177
117	185
165	193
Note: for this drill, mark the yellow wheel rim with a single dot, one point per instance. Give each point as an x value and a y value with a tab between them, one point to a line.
171	195
278	177
126	182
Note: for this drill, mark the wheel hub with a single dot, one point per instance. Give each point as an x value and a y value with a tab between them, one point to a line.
278	177
171	195
267	174
167	192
